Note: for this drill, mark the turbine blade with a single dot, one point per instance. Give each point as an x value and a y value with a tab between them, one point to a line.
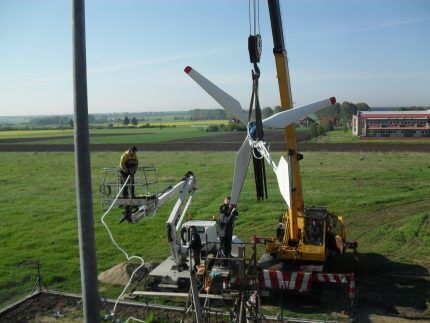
243	156
224	99
283	177
285	118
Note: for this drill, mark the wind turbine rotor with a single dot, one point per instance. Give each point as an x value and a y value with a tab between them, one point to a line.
224	99
285	118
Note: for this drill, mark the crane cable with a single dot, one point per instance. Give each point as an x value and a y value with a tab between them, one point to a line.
255	129
256	16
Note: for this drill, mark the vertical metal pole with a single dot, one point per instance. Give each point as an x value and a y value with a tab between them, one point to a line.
87	250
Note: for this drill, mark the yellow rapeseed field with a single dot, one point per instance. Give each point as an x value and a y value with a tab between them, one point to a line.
32	132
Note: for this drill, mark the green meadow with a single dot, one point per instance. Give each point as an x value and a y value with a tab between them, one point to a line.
384	198
112	136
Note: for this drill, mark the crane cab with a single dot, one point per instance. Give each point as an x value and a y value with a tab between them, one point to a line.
319	233
313	231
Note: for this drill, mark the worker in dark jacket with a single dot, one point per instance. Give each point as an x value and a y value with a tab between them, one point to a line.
195	245
315	235
128	166
228	214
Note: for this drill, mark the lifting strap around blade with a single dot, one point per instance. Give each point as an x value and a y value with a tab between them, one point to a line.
256	132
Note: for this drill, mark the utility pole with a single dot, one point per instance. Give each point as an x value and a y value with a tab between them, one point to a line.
87	250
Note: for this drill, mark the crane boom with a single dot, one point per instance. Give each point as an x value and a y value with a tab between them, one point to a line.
296	196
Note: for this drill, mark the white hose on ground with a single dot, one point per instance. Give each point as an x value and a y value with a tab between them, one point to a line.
133	318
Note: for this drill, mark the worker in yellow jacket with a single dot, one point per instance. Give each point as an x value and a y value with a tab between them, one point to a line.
128	166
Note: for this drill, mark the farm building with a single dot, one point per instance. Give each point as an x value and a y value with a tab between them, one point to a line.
305	122
386	124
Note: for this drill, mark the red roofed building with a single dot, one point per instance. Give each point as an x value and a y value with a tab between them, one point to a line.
391	124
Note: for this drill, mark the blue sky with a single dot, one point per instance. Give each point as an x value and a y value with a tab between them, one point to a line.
375	51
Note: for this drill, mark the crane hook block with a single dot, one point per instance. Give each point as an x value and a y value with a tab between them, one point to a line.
254	48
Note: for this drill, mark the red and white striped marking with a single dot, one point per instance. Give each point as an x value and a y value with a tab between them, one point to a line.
301	281
286	280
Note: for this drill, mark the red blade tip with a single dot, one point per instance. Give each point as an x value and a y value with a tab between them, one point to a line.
187	69
332	99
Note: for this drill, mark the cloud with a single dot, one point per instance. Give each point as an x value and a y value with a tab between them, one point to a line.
36	80
23	61
388	24
317	76
158	60
43	80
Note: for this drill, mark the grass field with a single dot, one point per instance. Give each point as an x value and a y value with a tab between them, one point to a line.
384	198
112	136
183	125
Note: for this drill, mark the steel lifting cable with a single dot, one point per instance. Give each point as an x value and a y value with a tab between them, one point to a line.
255	131
255	12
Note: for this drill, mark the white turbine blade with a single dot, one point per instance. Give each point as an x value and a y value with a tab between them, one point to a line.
243	156
285	118
224	99
283	177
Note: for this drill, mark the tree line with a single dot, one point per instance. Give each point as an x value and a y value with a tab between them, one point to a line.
341	113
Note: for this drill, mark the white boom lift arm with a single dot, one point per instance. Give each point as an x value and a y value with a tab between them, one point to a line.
278	120
185	188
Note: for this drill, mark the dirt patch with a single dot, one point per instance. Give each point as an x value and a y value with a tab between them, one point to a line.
43	305
216	146
116	275
47	307
121	273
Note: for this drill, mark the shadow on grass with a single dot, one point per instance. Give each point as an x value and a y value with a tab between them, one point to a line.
394	288
385	288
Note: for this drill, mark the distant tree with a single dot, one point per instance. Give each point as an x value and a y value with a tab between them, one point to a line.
329	126
207	114
347	110
71	123
212	128
345	127
102	120
267	112
278	108
412	108
134	121
362	106
314	130
91	118
118	121
126	121
321	130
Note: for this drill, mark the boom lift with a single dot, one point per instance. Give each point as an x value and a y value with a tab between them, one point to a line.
173	271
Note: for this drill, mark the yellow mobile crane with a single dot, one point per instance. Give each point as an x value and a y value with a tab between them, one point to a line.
307	233
305	236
